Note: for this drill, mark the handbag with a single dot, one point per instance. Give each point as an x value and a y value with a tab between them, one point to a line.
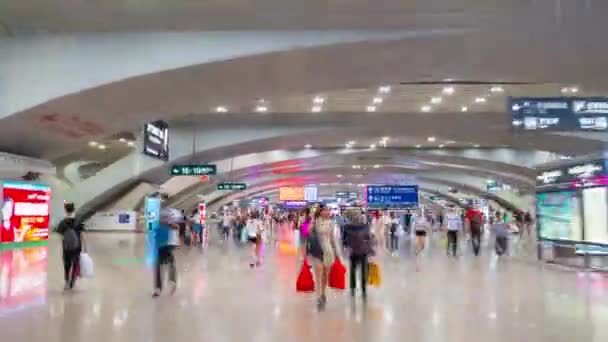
374	277
337	275
305	282
86	266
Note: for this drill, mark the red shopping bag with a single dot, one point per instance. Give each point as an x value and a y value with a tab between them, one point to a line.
305	281
337	275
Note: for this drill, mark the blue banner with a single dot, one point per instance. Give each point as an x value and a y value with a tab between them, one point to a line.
392	196
558	113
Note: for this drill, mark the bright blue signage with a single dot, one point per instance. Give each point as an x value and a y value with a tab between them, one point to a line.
392	196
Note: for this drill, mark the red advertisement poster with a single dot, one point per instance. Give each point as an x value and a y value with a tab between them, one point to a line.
23	278
202	210
25	212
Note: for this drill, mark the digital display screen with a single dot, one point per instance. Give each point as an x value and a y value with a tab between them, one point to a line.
25	212
23	278
292	193
559	215
156	140
559	114
392	196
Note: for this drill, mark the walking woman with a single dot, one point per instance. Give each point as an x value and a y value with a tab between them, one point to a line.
255	229
379	229
322	250
421	225
359	243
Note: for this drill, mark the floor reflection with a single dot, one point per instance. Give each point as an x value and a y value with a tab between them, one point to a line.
23	278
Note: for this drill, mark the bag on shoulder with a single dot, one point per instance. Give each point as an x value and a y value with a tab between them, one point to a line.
71	241
313	246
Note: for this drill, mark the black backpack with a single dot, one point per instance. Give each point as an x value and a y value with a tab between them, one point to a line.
71	241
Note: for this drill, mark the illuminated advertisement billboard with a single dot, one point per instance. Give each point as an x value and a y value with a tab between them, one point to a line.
292	193
25	212
559	113
156	140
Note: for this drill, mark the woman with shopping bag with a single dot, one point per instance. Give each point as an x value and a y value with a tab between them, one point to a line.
359	245
321	249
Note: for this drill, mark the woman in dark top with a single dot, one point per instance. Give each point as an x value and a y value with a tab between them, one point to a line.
72	231
358	239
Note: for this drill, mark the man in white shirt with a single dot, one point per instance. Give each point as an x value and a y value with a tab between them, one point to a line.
454	224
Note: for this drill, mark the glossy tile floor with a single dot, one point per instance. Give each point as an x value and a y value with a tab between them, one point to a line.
220	299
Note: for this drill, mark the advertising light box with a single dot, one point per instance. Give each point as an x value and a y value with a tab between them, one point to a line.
559	113
292	193
156	140
25	212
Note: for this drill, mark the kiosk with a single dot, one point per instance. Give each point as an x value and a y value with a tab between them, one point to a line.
572	212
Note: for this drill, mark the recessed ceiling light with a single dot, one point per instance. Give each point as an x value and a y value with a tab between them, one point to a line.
574	89
318	100
441	146
261	109
377	100
131	143
418	146
371	108
497	89
464	109
221	109
436	100
93	143
376	166
372	146
384	89
480	100
339	176
476	145
431	139
122	140
565	90
308	146
101	147
448	90
352	142
425	108
356	166
316	109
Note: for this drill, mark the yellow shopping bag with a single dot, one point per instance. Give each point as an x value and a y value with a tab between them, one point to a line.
374	276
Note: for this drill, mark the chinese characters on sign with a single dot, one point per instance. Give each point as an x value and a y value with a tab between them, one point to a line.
392	196
193	170
559	114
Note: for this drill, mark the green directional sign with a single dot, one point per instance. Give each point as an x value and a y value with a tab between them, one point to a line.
232	186
193	170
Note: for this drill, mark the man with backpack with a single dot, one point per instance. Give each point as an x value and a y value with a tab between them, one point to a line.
474	220
72	231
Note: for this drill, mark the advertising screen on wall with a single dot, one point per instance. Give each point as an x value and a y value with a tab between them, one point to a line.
292	193
559	215
25	212
392	196
558	113
156	140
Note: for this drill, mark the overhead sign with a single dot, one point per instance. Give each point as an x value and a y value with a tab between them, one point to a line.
559	113
392	196
584	174
232	186
156	140
294	204
311	193
193	170
25	211
291	193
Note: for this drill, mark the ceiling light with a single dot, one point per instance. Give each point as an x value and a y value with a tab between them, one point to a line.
497	89
131	143
425	108
356	166
436	100
565	90
316	109
308	146
221	109
384	89
448	90
574	89
339	176
372	146
261	109
101	147
480	100
431	139
441	146
376	166
377	100
418	146
352	142
385	138
371	108
122	140
318	100
476	145
93	143
464	109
